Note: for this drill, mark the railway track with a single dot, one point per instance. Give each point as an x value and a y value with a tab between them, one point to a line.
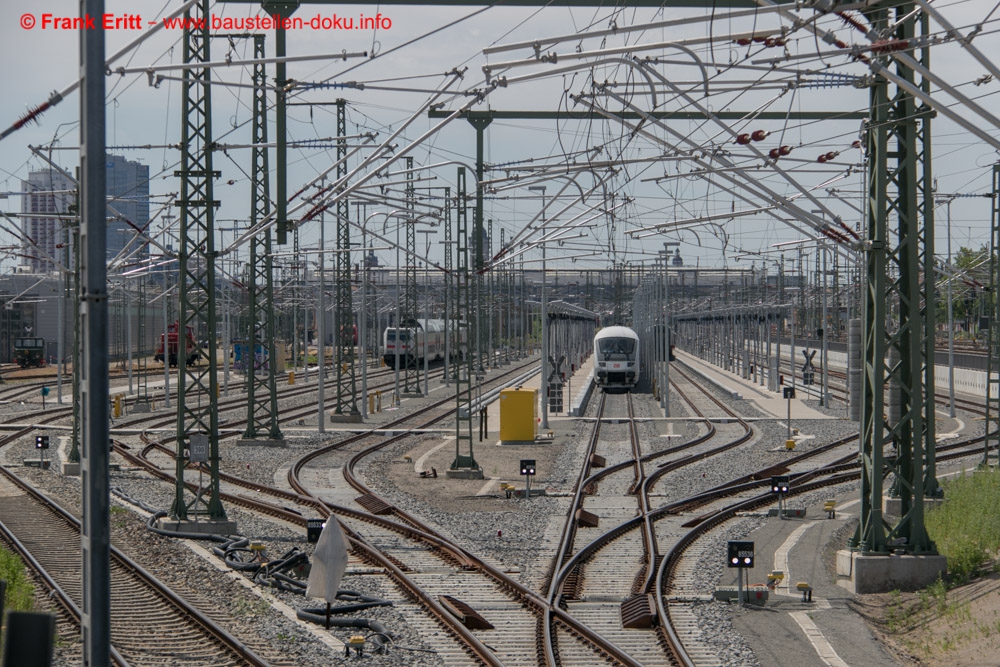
427	566
148	620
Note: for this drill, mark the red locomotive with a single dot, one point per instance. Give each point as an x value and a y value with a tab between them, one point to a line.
190	346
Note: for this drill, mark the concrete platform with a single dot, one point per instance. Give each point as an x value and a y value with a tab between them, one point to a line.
769	402
861	574
198	527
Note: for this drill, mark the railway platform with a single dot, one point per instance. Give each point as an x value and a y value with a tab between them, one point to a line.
766	401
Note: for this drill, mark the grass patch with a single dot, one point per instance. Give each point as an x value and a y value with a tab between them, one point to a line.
964	526
20	590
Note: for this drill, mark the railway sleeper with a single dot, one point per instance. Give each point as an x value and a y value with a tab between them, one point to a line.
572	585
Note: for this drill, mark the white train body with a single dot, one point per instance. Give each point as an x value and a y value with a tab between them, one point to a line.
426	338
616	359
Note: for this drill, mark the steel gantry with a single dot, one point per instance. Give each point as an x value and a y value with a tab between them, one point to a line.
901	275
197	397
262	389
346	408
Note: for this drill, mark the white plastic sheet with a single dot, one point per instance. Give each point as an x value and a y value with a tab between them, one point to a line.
329	562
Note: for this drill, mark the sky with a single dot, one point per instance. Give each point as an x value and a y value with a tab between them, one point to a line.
604	178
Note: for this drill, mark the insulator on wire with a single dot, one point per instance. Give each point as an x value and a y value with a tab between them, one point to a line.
832	155
744	41
759	135
743	139
821	159
785	150
774	154
856	143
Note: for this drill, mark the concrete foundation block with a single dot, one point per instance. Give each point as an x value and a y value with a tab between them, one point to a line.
754	594
206	527
464	473
260	442
37	463
346	419
861	574
70	469
788	512
894	507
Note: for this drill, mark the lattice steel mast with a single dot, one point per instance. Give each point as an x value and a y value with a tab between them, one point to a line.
197	398
262	388
898	189
466	369
345	372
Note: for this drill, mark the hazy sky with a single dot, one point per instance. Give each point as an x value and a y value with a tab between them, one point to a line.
41	60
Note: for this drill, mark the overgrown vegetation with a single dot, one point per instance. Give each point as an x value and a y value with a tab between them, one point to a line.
964	527
20	591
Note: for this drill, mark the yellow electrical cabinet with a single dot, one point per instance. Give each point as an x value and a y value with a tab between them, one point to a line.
518	415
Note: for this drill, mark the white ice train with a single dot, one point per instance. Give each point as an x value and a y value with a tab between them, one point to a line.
423	337
616	359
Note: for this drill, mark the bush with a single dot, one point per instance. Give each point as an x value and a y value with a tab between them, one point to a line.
20	591
964	526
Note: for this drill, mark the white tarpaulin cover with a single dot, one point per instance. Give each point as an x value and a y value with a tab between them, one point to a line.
329	562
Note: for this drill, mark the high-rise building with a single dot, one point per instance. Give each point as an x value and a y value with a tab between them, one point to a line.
128	195
49	194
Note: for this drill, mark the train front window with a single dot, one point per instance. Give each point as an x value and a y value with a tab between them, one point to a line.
617	348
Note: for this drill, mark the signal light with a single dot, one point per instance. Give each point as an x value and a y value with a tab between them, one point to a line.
527	467
41	442
739	554
780	484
